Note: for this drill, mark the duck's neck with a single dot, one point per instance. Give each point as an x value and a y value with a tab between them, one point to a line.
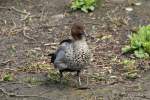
80	43
83	39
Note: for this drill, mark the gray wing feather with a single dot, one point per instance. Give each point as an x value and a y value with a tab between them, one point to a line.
60	55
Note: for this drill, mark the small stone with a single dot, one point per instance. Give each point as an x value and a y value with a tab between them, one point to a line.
129	9
59	16
138	3
90	14
113	77
37	48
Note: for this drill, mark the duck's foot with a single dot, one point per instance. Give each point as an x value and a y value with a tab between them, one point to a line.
82	86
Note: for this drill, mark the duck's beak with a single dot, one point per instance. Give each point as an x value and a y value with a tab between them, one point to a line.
85	34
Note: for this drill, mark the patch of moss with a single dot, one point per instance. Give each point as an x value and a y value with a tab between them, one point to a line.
98	77
32	80
8	77
36	67
131	71
53	76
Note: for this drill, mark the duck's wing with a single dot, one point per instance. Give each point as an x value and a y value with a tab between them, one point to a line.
60	54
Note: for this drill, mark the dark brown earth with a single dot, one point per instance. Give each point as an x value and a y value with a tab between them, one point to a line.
31	29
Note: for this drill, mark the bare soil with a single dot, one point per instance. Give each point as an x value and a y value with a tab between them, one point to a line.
31	29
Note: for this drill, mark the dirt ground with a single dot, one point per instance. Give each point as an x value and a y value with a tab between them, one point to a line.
31	29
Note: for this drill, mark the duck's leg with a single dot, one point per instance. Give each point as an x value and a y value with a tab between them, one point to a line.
60	76
79	79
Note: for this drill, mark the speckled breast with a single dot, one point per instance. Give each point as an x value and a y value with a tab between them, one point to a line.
78	57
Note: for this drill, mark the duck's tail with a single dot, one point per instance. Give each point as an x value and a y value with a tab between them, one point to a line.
53	57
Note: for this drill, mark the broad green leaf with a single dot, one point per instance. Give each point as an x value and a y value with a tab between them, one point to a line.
84	9
141	54
92	8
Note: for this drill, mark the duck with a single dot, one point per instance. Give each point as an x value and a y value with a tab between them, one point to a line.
72	55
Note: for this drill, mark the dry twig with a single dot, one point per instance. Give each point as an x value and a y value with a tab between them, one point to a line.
143	96
15	9
5	62
25	35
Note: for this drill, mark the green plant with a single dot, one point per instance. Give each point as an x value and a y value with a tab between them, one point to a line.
8	77
84	5
139	43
